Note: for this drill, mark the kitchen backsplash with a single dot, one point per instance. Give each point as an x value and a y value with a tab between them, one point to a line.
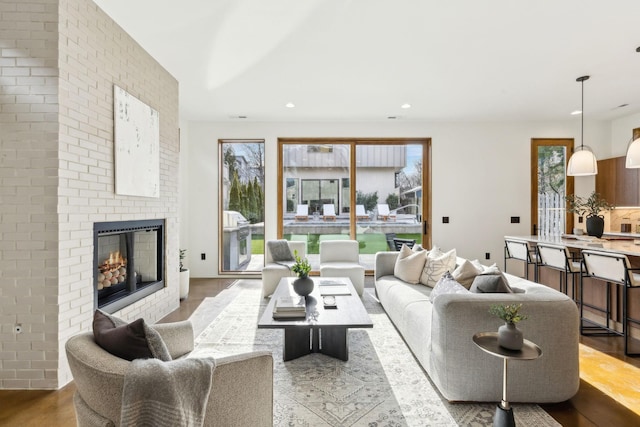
617	217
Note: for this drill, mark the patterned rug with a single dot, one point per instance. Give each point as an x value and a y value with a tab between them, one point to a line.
380	385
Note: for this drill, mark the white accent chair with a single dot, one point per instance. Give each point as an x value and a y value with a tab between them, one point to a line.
341	258
273	272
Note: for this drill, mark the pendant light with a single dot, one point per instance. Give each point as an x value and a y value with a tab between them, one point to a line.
582	162
633	155
633	152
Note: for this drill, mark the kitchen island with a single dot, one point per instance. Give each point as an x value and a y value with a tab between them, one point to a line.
594	291
619	243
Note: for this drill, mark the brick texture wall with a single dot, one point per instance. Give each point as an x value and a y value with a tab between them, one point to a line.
59	61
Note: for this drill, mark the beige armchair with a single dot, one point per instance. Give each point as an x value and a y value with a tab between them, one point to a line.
241	390
341	258
272	272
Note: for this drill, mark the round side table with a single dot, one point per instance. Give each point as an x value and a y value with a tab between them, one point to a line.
488	342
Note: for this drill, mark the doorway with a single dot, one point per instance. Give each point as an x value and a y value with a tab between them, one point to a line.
550	185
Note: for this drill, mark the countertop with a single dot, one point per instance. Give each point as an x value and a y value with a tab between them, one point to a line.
626	247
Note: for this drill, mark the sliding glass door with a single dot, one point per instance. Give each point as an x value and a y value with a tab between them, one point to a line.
320	202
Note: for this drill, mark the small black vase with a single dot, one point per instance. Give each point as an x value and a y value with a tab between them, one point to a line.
303	286
595	225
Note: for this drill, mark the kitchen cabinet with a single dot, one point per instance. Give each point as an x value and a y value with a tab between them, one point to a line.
617	184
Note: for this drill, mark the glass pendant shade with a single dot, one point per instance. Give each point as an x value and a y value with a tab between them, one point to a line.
583	162
633	155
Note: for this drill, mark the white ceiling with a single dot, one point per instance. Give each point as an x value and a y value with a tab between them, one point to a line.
352	60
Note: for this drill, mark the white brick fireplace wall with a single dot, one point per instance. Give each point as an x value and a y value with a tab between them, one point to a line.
57	71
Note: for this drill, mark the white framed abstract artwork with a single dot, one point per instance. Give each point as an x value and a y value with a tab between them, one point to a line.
137	146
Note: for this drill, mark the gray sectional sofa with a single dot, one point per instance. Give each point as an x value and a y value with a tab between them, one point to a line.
440	337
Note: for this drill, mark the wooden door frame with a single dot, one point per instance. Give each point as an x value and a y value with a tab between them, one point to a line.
353	143
568	143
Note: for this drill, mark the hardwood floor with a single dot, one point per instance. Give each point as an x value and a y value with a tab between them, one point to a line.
589	407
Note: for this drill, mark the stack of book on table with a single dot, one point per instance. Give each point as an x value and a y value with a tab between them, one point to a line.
289	308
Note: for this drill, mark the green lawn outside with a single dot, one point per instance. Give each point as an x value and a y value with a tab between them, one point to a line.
370	243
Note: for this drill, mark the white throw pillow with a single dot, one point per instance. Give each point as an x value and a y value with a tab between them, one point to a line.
436	265
409	265
447	285
465	273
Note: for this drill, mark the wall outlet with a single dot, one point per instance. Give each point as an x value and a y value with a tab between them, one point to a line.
18	328
487	255
445	220
580	220
203	256
515	220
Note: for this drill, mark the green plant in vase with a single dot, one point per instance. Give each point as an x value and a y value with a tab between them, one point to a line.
301	266
509	336
591	208
510	313
303	285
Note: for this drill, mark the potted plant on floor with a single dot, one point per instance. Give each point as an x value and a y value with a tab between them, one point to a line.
509	336
591	207
303	285
184	276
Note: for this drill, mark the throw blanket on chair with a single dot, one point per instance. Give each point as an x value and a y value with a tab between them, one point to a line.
281	253
175	393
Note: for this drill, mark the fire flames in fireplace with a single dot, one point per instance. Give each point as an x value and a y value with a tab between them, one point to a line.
113	270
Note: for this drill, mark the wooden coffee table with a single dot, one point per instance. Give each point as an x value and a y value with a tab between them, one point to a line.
323	330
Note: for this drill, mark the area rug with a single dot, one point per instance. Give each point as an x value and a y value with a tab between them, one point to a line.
380	385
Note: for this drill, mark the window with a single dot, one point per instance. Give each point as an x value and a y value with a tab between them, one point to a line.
241	205
387	199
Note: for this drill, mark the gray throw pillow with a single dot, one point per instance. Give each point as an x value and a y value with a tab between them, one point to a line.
490	283
447	285
279	250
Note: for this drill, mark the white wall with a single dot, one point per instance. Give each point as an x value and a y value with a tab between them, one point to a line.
480	177
621	133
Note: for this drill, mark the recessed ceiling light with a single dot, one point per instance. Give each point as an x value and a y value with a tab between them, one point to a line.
576	112
290	105
405	105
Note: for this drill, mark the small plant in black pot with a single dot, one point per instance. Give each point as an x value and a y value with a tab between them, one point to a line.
591	208
303	285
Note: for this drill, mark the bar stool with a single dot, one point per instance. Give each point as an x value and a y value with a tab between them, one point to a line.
520	250
611	268
559	258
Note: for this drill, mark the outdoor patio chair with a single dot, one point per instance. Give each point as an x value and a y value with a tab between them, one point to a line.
328	212
302	213
397	243
360	213
384	214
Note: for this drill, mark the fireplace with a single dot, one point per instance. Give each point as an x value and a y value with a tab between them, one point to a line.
128	262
